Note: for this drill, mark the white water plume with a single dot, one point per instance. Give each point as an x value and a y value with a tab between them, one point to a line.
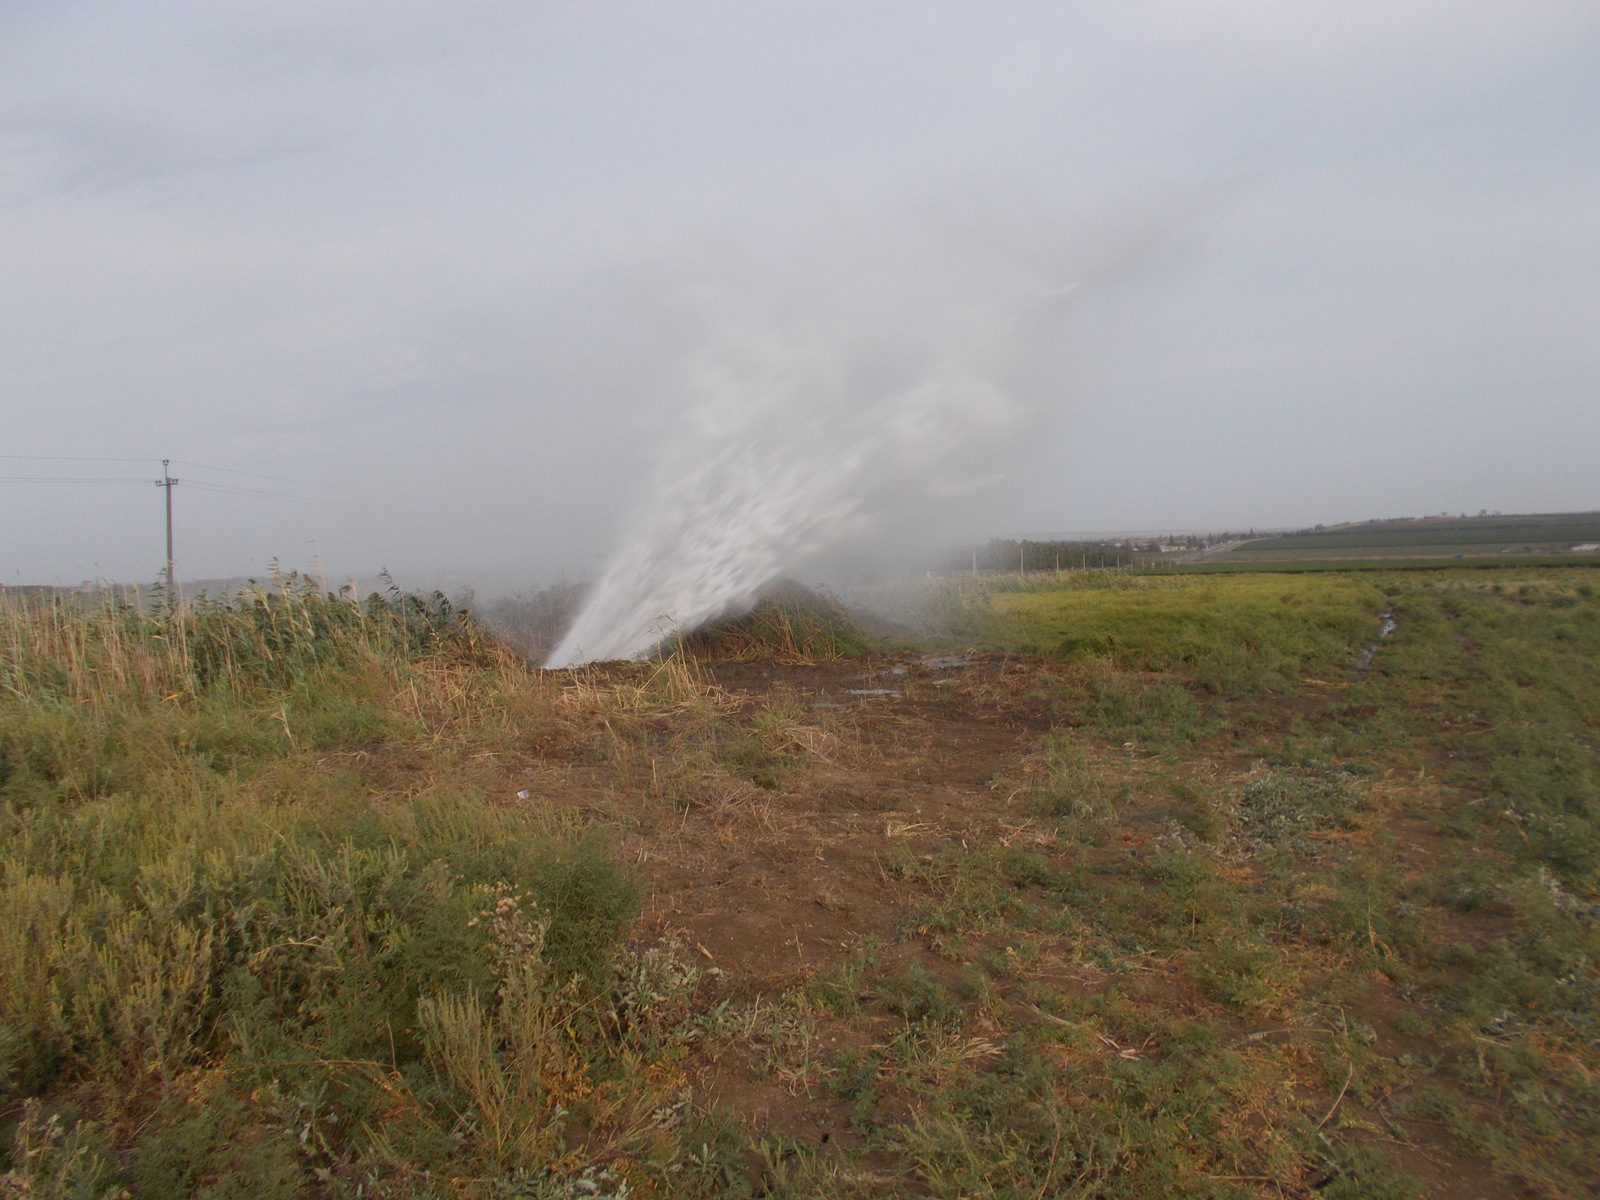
883	399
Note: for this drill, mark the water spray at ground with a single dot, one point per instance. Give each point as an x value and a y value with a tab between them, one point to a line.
891	393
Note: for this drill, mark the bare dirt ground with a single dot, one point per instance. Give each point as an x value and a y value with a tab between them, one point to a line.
905	760
779	882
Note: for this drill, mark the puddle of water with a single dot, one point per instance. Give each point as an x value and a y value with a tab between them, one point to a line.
873	692
879	674
945	662
1364	656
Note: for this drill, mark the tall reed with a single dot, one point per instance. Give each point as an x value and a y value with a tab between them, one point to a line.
243	853
109	651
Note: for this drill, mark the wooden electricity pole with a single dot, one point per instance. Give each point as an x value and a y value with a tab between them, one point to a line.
168	482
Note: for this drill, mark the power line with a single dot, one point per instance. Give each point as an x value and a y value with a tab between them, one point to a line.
167	483
343	487
200	485
71	479
254	474
340	487
225	490
222	489
69	458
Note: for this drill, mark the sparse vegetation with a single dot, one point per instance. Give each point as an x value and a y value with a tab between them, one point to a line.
1146	887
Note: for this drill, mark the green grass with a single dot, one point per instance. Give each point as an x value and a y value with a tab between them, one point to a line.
1244	917
1259	631
229	966
1279	891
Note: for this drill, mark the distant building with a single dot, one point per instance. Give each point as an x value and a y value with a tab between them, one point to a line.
1587	548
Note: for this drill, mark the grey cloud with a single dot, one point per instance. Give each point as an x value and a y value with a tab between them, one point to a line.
64	148
1334	257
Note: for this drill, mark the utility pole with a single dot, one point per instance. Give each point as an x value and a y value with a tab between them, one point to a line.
168	482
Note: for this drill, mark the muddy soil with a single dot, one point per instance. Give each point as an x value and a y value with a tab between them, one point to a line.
775	886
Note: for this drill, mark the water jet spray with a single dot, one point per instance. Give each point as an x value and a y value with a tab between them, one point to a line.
816	425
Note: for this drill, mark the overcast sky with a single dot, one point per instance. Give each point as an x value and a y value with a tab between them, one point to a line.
419	267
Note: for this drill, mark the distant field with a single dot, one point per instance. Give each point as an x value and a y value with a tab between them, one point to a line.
1256	564
1429	537
1251	630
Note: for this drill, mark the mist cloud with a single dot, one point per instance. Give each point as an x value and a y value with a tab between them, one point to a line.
845	383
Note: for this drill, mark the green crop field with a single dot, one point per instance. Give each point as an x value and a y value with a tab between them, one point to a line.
1430	537
1120	885
1224	565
